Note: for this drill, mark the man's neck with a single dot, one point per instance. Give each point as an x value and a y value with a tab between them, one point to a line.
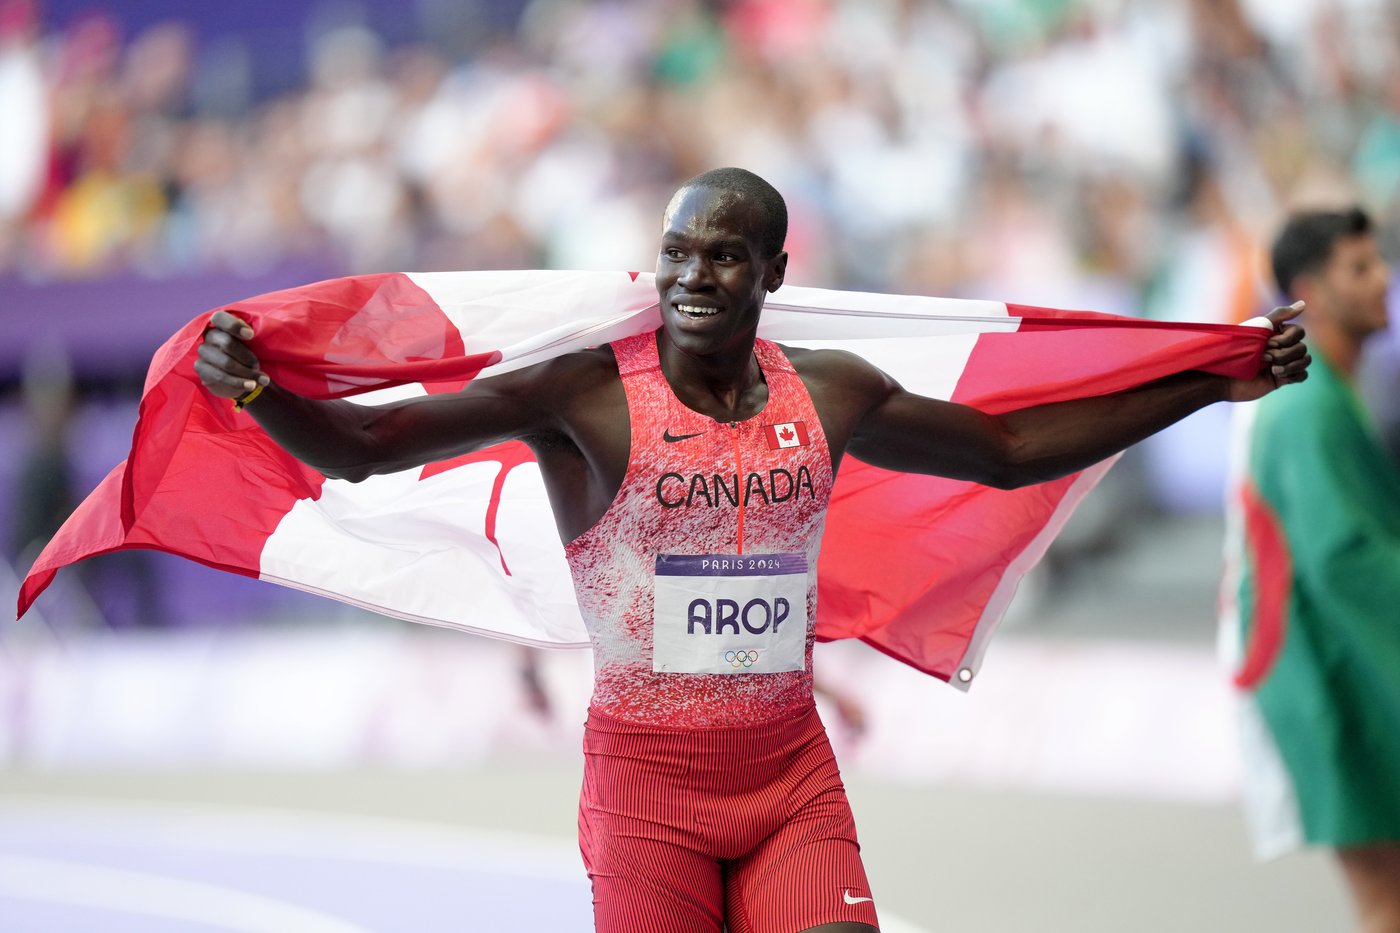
726	385
1341	350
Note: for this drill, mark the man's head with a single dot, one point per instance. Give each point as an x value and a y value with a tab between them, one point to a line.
721	253
771	217
1332	260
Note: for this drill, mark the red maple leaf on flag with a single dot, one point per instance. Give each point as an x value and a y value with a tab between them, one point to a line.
786	432
509	455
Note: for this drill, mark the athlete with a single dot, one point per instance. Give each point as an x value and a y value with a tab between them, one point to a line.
689	471
1321	555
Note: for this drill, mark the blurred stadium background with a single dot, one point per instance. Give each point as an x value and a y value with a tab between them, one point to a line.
182	749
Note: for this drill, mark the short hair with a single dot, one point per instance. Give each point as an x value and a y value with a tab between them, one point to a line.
748	185
1307	239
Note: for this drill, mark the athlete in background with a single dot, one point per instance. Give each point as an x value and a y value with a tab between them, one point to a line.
1328	590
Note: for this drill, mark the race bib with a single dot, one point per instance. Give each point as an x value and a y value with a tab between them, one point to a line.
730	613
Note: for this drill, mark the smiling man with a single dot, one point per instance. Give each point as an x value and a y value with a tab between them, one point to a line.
689	472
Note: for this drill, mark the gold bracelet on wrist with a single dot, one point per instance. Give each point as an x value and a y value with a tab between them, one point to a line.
242	403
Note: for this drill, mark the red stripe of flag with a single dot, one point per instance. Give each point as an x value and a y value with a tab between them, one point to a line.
192	454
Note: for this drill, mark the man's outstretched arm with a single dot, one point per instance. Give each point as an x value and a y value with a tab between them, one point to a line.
911	433
350	441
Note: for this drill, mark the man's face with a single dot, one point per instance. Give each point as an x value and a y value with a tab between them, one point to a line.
1352	286
711	272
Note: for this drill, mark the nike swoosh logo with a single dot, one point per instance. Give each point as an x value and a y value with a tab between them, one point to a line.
670	438
846	895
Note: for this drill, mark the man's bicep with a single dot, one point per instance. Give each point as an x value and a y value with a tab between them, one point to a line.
422	430
916	434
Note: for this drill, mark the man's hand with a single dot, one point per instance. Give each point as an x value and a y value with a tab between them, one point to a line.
226	366
1285	360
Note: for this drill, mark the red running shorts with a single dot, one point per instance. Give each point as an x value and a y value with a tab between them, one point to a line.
690	829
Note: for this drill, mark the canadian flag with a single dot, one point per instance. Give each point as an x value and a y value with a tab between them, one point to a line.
787	434
921	567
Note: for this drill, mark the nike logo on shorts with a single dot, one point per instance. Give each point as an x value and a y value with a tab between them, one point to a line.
846	896
670	438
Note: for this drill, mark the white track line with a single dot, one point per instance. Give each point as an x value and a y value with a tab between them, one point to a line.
24	877
343	836
232	828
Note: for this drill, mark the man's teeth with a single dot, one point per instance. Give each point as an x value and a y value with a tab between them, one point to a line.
693	311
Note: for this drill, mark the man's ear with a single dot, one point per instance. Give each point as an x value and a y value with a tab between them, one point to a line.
777	271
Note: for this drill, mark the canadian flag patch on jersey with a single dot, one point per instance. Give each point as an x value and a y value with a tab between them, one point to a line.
787	434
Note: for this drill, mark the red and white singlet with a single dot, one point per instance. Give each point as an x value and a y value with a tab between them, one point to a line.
698	585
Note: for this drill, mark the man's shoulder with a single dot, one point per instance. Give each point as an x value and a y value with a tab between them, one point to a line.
597	364
829	364
1319	401
565	376
825	371
1311	428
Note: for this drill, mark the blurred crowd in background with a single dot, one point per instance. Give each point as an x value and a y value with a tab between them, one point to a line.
1131	156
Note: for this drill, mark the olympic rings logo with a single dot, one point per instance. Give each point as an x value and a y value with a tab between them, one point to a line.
739	659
